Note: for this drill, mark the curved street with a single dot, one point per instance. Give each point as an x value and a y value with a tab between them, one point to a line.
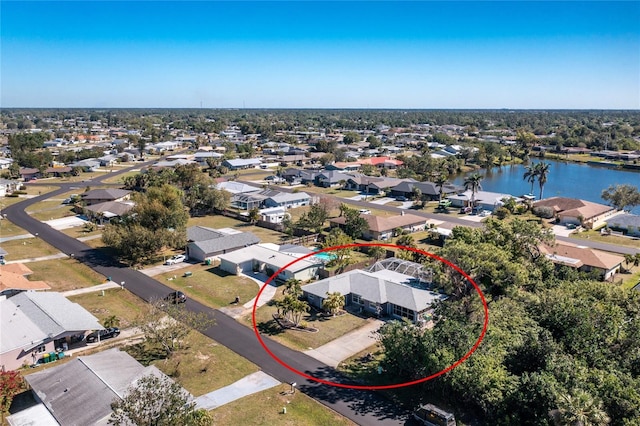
362	407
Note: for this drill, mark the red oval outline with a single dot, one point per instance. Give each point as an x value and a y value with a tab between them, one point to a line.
378	387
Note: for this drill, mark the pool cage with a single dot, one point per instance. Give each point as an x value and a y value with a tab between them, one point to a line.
422	274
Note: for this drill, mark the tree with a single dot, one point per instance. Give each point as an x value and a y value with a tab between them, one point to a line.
373	142
333	302
293	287
254	215
157	400
111	321
293	308
472	183
530	176
11	384
622	197
343	255
314	219
351	137
354	225
166	325
579	408
376	252
440	181
541	171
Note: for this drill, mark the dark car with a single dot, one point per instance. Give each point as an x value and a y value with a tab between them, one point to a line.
176	297
103	334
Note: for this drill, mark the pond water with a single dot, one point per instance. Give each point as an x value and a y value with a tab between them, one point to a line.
565	179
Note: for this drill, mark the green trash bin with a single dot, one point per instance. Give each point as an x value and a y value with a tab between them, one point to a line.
45	358
60	355
208	262
53	356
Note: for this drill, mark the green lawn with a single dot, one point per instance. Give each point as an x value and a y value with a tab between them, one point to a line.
266	408
40	189
24	249
120	178
328	328
80	231
9	229
81	177
610	239
203	365
337	192
630	280
65	274
219	221
211	286
50	209
123	304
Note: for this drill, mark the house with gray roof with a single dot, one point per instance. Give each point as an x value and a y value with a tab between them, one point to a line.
88	165
380	291
35	323
81	391
205	243
287	200
242	163
97	196
104	212
429	190
330	178
627	223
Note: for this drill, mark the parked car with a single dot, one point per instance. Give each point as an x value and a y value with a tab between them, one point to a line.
175	259
401	198
103	334
485	213
365	211
175	297
430	415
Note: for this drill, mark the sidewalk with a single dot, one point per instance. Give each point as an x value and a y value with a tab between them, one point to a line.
336	351
38	259
248	385
99	287
16	237
267	294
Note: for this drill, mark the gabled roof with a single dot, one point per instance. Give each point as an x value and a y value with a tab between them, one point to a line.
105	194
239	162
211	241
573	207
625	220
376	287
236	187
81	391
381	224
283	197
576	256
427	188
31	317
111	208
266	255
12	277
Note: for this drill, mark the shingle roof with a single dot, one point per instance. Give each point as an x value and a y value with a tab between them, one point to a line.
211	241
104	194
30	317
567	254
116	208
625	221
573	207
381	224
272	257
81	391
375	288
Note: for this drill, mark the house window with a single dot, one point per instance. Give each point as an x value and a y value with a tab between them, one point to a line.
401	311
40	349
355	298
311	297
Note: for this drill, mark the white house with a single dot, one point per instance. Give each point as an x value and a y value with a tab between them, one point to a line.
260	258
242	163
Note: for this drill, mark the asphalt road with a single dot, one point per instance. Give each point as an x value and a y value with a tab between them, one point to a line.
362	407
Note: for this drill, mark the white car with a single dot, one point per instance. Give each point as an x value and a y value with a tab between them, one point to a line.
175	259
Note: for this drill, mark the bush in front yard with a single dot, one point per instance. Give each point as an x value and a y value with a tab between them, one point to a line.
543	212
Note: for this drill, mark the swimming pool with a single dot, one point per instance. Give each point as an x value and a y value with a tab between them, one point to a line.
325	257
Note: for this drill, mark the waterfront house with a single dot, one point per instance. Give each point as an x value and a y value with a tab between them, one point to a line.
577	212
484	200
627	223
429	190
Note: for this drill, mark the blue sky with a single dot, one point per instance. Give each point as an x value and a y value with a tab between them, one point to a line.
330	54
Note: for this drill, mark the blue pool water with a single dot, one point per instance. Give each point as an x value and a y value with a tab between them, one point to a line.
325	256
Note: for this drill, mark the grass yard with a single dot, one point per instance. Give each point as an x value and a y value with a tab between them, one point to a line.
630	280
328	328
363	366
80	178
65	274
29	248
40	189
123	304
211	286
80	232
9	229
50	209
610	239
336	192
219	221
265	408
204	365
120	178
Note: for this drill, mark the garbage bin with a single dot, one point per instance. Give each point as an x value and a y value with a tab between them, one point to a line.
60	355
188	274
53	356
208	261
45	358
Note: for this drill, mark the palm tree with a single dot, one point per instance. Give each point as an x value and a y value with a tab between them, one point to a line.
530	176
472	182
376	252
254	215
293	287
542	170
581	409
440	181
333	302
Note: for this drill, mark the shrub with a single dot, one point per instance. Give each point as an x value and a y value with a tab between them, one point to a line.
501	212
544	212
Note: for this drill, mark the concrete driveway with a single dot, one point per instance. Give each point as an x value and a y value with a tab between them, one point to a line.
66	222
